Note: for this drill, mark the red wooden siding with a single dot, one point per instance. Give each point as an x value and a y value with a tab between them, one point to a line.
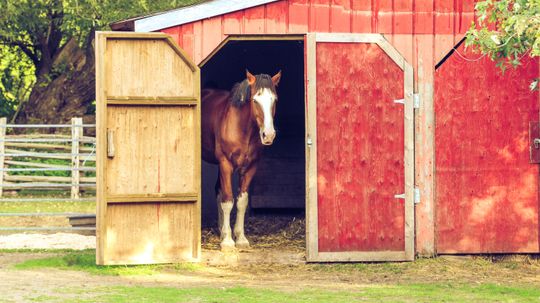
423	31
359	149
447	19
487	192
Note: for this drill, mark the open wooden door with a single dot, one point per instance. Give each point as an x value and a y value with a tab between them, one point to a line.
148	155
360	154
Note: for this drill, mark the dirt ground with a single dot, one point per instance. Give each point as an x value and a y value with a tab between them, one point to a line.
293	274
276	259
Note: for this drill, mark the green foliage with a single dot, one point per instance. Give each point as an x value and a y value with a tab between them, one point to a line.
507	31
33	31
16	79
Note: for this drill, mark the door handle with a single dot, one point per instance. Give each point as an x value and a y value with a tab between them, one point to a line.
536	142
110	143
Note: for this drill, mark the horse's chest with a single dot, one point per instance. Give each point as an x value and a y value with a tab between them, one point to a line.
243	157
240	154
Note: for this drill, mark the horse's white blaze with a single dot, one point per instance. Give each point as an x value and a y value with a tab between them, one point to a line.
266	98
241	206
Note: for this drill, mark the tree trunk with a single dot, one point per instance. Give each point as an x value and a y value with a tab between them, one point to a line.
67	91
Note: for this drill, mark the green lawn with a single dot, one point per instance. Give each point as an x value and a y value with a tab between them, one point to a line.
86	261
369	293
34	207
63	206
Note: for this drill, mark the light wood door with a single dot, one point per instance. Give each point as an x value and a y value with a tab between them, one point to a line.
148	155
360	153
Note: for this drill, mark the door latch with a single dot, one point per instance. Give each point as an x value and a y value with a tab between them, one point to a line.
110	143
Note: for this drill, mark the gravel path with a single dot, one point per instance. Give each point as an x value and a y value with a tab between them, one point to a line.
47	241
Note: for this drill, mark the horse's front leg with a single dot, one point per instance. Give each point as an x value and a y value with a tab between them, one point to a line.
226	204
241	206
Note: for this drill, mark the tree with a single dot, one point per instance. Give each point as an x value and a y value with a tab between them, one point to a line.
16	80
507	31
54	40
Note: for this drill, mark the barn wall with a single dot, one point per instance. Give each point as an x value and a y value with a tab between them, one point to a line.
397	19
487	191
422	30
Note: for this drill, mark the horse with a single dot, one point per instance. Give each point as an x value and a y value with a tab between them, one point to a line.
236	126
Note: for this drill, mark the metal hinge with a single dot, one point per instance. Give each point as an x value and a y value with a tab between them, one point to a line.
416	101
416	195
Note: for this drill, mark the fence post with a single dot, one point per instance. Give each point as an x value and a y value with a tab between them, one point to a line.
3	122
76	135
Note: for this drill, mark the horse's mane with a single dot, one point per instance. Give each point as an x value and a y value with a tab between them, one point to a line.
241	91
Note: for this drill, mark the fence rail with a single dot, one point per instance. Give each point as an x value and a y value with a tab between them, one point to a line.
25	163
37	146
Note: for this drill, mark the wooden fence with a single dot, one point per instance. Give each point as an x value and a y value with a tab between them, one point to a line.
26	158
29	153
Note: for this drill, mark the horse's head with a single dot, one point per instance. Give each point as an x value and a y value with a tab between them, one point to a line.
263	103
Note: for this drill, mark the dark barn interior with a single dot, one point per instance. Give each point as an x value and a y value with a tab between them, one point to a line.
279	185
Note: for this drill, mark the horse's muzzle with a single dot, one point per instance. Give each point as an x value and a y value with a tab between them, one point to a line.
267	136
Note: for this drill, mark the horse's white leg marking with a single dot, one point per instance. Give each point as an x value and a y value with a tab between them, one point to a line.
226	235
220	214
241	206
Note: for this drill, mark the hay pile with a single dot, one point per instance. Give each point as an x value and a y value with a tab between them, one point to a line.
265	232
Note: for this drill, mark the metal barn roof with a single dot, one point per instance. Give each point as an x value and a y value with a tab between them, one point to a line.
185	15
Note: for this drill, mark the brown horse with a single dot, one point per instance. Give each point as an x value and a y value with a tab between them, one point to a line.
235	127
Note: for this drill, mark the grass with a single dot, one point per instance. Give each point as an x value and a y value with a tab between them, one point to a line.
56	173
41	250
394	290
369	293
86	261
33	207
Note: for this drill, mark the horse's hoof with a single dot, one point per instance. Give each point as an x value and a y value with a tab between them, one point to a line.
227	245
242	245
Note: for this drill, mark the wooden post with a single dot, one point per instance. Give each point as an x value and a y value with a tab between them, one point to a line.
3	122
425	147
76	135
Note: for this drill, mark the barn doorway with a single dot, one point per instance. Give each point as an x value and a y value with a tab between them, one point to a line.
277	194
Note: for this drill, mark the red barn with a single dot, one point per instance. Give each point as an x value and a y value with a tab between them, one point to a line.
397	139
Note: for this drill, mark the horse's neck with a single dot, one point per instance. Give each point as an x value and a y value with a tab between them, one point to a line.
239	119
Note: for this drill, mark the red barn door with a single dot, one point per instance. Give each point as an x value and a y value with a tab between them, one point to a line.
360	153
487	189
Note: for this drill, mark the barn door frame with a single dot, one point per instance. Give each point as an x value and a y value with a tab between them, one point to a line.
105	148
312	246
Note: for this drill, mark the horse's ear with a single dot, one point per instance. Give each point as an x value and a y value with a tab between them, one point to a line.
250	78
276	78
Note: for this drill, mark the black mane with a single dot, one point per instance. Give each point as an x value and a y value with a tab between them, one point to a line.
241	91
